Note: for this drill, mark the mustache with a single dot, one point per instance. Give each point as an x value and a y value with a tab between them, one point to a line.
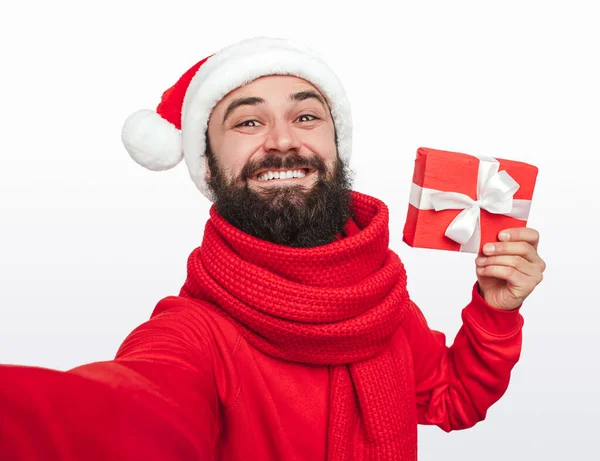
290	161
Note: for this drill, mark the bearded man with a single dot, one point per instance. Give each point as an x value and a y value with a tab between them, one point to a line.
293	336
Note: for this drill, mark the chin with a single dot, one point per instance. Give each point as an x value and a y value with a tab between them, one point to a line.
278	196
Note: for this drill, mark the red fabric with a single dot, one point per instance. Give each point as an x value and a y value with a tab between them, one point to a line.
457	172
188	384
171	102
337	304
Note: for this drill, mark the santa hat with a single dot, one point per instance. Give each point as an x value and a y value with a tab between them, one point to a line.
159	139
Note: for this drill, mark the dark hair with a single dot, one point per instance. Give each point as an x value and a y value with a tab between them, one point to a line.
293	215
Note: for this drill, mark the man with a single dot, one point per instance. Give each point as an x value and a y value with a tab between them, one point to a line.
293	336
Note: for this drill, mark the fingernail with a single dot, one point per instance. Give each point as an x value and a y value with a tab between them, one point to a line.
504	236
489	248
480	260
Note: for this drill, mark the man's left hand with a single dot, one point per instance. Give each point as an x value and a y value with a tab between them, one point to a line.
509	270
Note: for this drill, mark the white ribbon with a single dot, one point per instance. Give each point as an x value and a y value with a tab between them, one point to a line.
495	191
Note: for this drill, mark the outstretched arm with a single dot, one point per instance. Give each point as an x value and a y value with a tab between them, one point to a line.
156	400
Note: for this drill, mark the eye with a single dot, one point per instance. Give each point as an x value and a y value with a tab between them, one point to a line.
312	117
249	124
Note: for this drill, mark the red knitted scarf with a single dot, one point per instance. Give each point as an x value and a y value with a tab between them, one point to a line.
337	304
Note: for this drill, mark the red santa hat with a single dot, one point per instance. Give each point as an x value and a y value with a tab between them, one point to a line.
159	139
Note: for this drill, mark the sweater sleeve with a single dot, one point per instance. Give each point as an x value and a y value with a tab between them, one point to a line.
456	385
156	400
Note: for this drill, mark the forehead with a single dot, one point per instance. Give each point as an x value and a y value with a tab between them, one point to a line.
271	88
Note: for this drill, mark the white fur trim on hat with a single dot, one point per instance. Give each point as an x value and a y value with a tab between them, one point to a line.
151	140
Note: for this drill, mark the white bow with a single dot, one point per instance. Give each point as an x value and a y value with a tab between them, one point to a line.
495	191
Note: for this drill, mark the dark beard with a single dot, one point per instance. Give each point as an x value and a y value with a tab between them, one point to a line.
286	215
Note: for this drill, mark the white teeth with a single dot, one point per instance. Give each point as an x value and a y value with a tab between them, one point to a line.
281	175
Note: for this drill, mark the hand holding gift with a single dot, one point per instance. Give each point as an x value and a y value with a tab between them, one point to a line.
460	202
508	271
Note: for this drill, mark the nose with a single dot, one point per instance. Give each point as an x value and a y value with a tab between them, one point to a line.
281	138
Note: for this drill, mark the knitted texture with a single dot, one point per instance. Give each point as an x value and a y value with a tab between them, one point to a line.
337	304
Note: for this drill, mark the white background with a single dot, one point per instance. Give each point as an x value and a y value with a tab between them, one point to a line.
90	241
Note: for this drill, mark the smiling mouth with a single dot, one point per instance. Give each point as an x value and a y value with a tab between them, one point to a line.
267	175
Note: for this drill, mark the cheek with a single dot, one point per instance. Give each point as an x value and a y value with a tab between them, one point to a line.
235	153
322	144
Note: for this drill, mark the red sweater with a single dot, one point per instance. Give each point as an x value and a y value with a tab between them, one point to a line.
185	385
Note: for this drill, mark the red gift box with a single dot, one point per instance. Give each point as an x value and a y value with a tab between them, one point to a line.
459	202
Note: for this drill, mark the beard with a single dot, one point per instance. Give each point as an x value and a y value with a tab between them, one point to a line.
291	215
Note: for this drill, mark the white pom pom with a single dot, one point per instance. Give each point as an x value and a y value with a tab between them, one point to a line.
152	141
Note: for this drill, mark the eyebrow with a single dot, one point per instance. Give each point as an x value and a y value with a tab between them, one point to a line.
308	94
233	105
